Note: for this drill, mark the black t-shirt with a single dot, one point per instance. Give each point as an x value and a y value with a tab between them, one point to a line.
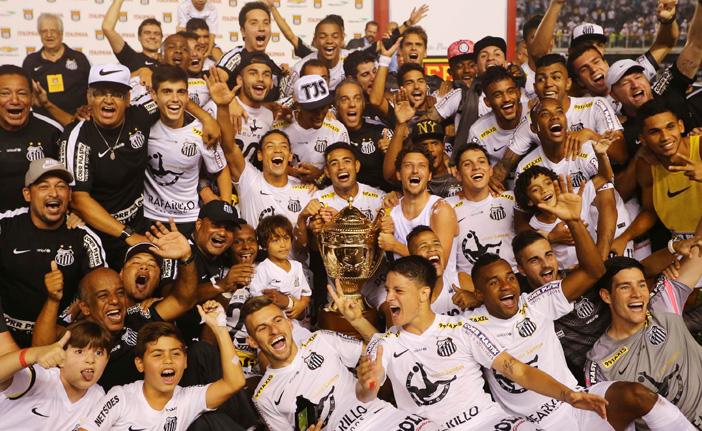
694	104
112	172
135	60
365	141
672	85
65	80
25	257
120	368
231	60
36	140
3	327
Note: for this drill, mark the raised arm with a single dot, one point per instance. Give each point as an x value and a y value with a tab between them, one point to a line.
45	328
645	220
403	113
352	312
49	356
444	222
97	217
688	61
541	44
668	31
109	23
606	220
370	376
282	24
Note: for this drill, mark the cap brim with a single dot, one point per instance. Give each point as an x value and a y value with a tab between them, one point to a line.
623	73
460	57
327	100
588	37
61	173
109	83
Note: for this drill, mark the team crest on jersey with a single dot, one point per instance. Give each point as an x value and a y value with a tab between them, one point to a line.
320	145
34	152
367	146
136	140
129	337
367	212
314	360
526	327
576	127
64	257
189	149
472	247
294	205
171	424
428	392
656	335
577	179
498	213
445	347
584	308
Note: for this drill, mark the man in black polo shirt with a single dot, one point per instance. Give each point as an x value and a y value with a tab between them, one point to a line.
7	344
62	71
35	241
150	37
24	135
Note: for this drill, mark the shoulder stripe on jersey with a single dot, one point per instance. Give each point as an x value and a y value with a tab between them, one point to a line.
33	379
98	243
14	213
48	120
71	150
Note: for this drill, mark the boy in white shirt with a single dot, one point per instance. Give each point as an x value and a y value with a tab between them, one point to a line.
60	392
157	402
278	277
188	9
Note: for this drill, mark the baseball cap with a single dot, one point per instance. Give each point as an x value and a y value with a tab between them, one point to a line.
459	48
219	212
142	247
621	68
312	92
40	167
587	31
109	74
490	41
427	129
248	58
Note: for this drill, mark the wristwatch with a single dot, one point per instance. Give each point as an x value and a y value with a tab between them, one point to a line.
187	261
126	233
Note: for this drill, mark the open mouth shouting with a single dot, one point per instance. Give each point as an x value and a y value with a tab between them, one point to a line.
174	109
258	90
550	93
556	130
141	281
477	177
352	116
168	376
394	312
279	344
278	161
218	241
508	300
599	79
53	206
415	180
417	97
108	111
547	275
260	41
114	316
15	114
343	177
636	306
509	109
435	260
638	96
413	57
177	59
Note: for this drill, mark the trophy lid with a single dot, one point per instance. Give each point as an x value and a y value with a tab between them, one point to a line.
349	218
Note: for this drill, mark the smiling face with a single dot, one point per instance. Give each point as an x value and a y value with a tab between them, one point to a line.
176	51
341	168
141	275
365	76
488	57
329	40
549	122
464	69
662	134
312	118
197	57
104	299
591	70
275	155
350	105
415	85
271	332
474	170
427	245
213	238
15	102
163	364
404	298
83	366
552	82
498	287
244	245
628	298
541	190
151	37
256	81
503	96
256	30
48	199
632	90
538	263
412	49
171	97
108	103
414	174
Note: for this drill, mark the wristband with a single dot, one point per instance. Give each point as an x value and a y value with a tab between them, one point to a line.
22	360
291	304
384	61
187	261
671	249
126	233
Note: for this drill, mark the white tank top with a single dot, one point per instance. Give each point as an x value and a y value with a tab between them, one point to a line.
444	302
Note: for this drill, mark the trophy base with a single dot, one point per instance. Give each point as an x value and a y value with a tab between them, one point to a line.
332	320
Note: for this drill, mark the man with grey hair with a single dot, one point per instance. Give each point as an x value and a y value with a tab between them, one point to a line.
62	71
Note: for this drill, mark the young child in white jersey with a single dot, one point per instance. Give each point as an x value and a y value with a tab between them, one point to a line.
157	402
278	277
54	386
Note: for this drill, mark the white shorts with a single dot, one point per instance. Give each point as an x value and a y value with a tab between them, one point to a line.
392	419
493	418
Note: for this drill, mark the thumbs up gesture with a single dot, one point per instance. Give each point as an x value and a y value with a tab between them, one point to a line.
52	355
53	280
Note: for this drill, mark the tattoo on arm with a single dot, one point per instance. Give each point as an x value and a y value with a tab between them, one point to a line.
509	367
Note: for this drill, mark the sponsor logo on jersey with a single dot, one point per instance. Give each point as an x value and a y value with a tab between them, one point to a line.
445	347
498	213
136	139
609	362
266	212
582	106
430	391
473	248
82	153
534	162
106	409
34	152
161	175
64	257
371	195
171	424
189	149
294	205
451	325
656	335
331	127
262	386
478	319
484	340
507	196
584	308
351	417
410	423
526	328
329	195
488	132
577	179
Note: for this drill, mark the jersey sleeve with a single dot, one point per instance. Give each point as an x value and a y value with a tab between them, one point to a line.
669	296
649	64
212	157
484	347
259	281
550	301
127	56
305	289
605	117
302	50
448	105
372	348
193	401
26	379
94	251
349	349
76	156
343	133
107	411
588	160
593	373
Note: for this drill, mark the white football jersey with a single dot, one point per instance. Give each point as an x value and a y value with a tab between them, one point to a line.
484	227
270	276
594	113
581	169
124	408
530	337
320	375
173	171
530	79
36	400
198	91
259	199
368	200
187	11
308	145
444	302
260	121
488	134
431	374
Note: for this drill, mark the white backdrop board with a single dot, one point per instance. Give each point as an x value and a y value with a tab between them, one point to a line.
82	22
